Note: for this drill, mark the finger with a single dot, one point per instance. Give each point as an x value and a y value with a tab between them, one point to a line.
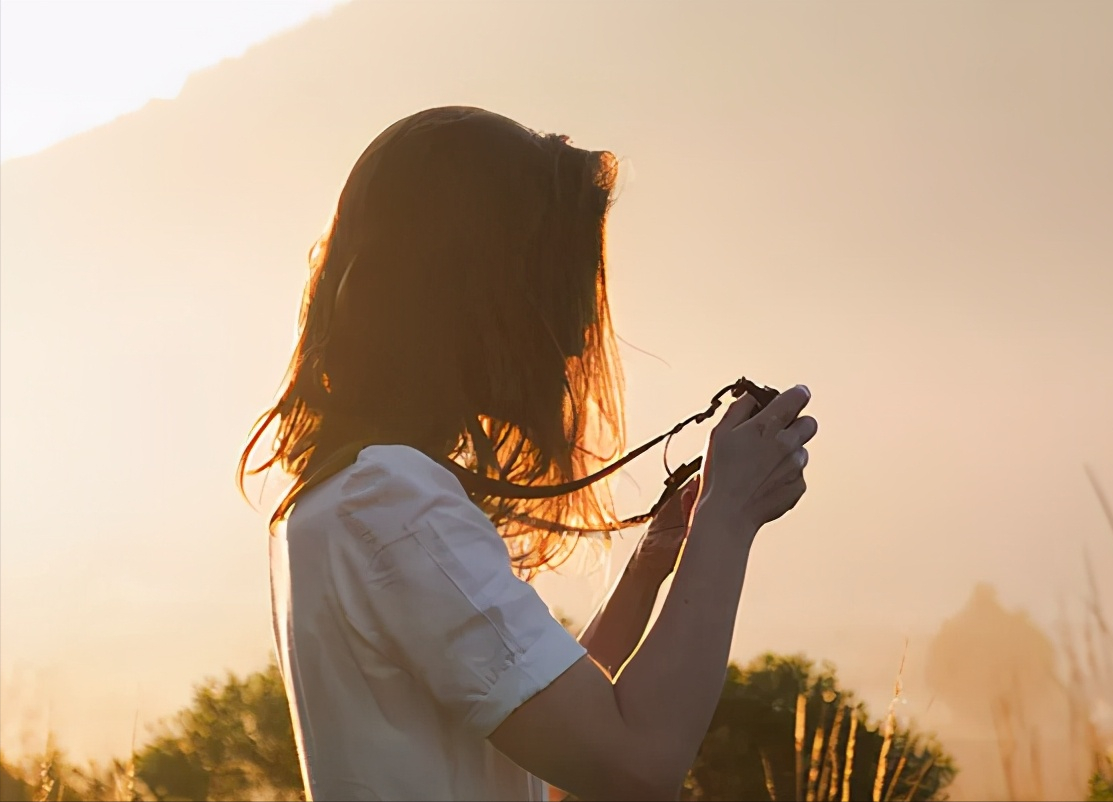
796	491
799	432
790	468
740	411
782	410
677	497
790	495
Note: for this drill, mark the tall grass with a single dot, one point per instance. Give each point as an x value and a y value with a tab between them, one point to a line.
819	769
1087	687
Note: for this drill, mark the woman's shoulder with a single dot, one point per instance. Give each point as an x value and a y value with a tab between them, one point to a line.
394	487
401	469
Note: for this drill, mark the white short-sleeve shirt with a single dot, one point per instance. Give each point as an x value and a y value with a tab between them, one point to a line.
404	637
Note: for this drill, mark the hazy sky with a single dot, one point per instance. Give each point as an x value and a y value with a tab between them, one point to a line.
67	66
70	65
905	207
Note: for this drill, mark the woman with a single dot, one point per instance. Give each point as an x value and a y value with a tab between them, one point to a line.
454	328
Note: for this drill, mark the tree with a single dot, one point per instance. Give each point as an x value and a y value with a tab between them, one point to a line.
1101	789
234	742
985	653
756	749
12	787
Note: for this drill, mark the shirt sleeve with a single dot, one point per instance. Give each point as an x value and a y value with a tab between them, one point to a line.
421	570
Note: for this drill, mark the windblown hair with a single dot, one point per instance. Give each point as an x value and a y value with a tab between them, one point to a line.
456	303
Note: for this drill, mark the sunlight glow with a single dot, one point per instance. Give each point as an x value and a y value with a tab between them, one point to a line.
68	66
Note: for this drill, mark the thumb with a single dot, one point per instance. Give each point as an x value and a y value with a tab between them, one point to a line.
688	497
740	411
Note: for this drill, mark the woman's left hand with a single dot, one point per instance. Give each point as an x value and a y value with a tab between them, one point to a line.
656	554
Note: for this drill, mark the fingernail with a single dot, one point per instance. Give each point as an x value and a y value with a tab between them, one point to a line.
804	387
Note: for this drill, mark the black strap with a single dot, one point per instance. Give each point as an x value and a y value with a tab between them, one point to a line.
477	485
485	485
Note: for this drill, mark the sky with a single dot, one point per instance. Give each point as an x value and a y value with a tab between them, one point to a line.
67	67
904	208
70	65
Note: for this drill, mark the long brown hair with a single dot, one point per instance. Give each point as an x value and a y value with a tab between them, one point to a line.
457	303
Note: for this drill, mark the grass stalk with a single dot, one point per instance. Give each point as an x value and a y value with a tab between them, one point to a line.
801	720
816	757
850	742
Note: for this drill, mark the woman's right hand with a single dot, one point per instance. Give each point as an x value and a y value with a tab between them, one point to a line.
624	738
754	465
